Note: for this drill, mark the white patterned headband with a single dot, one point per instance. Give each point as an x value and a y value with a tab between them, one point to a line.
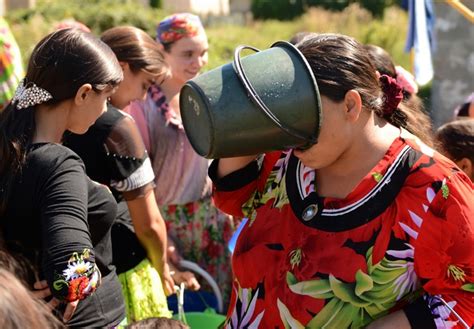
28	94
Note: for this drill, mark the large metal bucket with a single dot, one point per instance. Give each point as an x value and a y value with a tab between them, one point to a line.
262	102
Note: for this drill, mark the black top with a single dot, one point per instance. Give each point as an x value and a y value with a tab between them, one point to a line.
114	155
60	221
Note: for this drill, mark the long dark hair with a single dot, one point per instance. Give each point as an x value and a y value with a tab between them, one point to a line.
60	63
340	64
135	47
412	116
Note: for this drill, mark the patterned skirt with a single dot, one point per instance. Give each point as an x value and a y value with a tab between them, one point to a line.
201	233
143	293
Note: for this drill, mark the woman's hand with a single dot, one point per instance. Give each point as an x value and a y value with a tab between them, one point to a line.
42	291
185	277
167	280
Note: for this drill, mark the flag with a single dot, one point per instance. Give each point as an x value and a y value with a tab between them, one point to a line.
420	38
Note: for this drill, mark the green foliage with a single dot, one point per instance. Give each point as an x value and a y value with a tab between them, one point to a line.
156	3
334	5
375	7
424	93
29	26
277	9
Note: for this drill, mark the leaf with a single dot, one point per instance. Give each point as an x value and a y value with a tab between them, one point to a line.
250	309
344	318
345	291
377	176
375	310
314	288
468	287
256	323
363	283
326	315
382	275
59	284
287	318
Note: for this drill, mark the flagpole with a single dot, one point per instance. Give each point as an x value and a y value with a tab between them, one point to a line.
459	6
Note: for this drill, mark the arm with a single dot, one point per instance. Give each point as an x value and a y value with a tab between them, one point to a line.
237	180
396	320
67	256
151	231
137	189
230	165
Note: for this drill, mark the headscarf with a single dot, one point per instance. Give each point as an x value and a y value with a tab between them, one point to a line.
177	26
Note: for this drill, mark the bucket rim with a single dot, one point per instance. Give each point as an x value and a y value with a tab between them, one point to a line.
196	88
319	112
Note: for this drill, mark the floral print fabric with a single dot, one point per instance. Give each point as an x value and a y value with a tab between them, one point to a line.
80	279
201	233
304	261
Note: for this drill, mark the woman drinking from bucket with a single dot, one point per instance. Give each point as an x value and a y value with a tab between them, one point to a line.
366	227
183	190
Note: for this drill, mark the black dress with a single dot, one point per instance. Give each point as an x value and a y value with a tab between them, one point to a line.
60	220
114	155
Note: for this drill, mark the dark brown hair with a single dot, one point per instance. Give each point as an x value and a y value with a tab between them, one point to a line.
19	308
298	37
456	139
340	64
135	47
412	115
61	63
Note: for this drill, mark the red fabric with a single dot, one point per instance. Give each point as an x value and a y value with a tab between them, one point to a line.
436	226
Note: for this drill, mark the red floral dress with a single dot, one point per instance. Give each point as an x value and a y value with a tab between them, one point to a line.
403	239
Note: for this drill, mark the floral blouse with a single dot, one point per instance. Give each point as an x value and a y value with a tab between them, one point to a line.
402	239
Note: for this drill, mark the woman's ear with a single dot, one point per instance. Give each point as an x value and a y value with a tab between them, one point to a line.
353	105
124	66
466	165
82	94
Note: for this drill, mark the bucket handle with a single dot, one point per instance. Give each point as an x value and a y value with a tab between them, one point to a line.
239	70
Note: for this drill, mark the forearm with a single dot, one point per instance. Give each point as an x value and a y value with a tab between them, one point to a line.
150	228
229	165
396	320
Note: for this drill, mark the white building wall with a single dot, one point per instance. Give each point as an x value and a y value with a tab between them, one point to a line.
201	7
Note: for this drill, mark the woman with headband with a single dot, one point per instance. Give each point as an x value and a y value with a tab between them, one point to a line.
183	190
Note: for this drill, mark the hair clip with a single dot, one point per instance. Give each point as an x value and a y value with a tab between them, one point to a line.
29	94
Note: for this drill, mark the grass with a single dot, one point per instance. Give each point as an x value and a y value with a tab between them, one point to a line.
31	25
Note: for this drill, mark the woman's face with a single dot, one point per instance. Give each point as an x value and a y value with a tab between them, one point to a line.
91	107
186	57
133	87
334	137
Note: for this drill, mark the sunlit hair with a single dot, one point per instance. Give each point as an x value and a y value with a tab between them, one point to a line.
340	64
135	47
456	139
19	308
61	63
